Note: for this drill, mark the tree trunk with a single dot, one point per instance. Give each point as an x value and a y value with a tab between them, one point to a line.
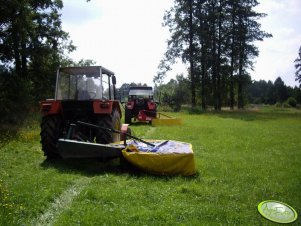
203	58
232	61
204	82
240	98
240	101
24	59
218	62
16	50
191	60
213	55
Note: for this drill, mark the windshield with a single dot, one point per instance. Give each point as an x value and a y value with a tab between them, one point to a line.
141	93
79	84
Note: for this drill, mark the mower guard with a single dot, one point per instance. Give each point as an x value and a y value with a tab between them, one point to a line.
163	119
160	119
78	149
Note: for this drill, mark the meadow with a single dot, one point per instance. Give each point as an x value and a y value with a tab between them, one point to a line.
242	158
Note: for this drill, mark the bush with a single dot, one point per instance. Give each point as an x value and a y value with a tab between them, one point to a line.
15	99
164	108
286	105
196	110
291	101
278	105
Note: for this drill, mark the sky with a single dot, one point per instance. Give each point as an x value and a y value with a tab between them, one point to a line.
127	37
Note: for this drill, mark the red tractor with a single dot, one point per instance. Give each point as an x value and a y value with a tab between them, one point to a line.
141	105
82	94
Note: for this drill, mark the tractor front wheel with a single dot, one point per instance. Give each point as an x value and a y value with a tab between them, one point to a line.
51	131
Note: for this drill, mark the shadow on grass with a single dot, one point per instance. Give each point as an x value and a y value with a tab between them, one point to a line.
87	167
95	167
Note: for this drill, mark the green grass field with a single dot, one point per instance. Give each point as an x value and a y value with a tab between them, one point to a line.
242	158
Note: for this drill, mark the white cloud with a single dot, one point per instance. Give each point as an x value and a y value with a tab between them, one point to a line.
126	37
78	12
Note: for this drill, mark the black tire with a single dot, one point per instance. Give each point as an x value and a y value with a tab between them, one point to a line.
128	116
116	125
111	121
51	131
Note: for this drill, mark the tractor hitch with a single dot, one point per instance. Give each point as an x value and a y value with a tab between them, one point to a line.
77	145
115	131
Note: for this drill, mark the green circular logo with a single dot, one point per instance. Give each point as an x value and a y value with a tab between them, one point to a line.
277	211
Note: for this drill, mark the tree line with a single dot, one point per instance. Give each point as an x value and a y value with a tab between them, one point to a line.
216	39
176	93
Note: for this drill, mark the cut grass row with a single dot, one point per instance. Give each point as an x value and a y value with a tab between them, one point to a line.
242	158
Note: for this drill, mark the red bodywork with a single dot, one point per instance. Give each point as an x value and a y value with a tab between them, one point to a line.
130	105
151	105
51	107
143	117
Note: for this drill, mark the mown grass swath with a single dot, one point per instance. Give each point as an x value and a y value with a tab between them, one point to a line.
242	158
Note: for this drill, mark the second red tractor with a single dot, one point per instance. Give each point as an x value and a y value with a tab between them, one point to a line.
140	105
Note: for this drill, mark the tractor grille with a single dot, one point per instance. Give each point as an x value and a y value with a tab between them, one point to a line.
75	110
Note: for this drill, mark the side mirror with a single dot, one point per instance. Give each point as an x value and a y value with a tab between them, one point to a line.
113	79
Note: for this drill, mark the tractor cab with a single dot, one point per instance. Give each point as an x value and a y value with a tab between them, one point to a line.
141	93
85	83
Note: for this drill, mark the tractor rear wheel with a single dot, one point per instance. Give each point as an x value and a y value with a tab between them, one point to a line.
111	121
51	131
127	116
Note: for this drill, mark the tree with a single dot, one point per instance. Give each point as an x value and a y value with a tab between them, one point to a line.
32	47
180	21
248	32
298	67
216	39
258	91
281	93
32	40
175	93
204	43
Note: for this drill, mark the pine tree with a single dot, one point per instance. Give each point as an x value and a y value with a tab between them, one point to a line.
298	67
180	21
216	38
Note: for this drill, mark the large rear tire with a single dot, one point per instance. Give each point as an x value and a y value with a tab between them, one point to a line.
51	131
111	121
